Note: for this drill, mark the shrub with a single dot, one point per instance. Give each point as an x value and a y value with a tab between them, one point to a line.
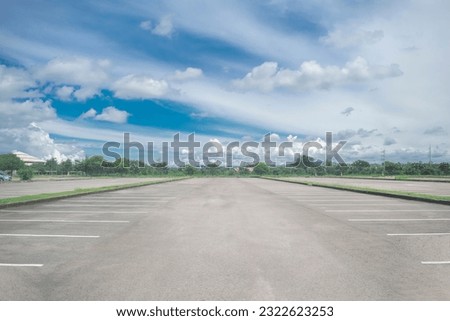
25	173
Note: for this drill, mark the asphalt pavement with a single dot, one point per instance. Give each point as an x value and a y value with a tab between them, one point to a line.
226	239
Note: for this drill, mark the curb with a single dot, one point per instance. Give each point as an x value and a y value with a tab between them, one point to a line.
349	189
107	189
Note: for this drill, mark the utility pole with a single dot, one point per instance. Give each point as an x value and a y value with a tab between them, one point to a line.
383	160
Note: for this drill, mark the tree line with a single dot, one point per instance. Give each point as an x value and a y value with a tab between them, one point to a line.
97	166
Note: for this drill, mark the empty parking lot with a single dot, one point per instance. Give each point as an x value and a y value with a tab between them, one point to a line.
226	239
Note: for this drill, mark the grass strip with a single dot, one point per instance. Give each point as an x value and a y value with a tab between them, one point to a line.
35	198
374	191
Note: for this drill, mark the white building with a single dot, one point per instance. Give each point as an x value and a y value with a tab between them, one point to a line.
28	159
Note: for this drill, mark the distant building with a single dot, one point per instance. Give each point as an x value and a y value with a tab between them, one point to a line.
28	159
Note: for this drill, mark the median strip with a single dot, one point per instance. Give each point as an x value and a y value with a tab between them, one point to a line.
35	198
373	191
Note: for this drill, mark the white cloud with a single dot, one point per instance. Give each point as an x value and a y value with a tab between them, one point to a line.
146	25
110	114
14	82
113	115
91	113
20	114
312	75
189	73
65	92
90	75
350	38
139	87
35	141
164	28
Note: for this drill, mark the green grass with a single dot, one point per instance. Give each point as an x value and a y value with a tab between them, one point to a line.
5	202
399	194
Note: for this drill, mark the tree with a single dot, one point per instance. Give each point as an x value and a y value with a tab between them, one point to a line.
66	166
444	168
10	162
261	169
25	173
392	168
51	165
189	170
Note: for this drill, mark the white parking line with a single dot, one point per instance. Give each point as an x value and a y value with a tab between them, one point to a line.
396	219
128	197
70	211
96	204
339	199
436	262
418	234
423	210
64	221
52	235
21	265
363	204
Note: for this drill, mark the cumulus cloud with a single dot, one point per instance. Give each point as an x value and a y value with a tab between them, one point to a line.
312	75
87	74
19	114
139	87
164	28
65	92
436	131
344	38
91	113
188	73
14	82
347	111
35	141
110	114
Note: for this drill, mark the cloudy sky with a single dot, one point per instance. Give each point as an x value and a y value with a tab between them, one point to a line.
74	75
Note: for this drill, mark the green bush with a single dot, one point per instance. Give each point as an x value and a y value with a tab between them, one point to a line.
25	173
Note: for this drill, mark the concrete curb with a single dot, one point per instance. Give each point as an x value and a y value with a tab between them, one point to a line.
107	189
349	189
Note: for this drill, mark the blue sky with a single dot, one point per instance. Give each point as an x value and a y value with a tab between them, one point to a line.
74	75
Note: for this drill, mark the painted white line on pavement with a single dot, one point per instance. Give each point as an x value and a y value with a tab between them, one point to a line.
415	210
418	234
65	221
78	212
360	204
127	197
96	204
333	200
436	262
52	235
21	265
396	219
